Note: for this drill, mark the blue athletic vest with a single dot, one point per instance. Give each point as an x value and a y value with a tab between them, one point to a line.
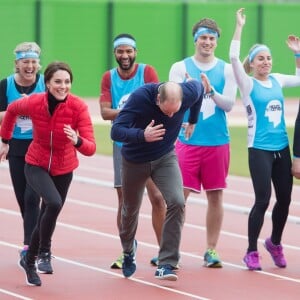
211	128
266	124
121	89
23	126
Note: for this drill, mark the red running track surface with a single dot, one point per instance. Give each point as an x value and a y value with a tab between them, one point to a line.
86	241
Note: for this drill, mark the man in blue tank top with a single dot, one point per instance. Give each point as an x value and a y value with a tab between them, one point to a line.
204	158
116	86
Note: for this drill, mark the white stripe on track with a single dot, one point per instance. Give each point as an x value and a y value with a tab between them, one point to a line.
18	296
183	253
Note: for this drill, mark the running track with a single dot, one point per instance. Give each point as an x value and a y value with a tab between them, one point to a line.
86	241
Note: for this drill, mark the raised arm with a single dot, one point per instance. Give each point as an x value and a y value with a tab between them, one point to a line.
240	22
243	81
293	42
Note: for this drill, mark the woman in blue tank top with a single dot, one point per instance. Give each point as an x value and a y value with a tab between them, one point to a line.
268	146
25	81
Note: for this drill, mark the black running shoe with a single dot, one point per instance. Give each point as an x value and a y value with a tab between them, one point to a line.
44	263
32	277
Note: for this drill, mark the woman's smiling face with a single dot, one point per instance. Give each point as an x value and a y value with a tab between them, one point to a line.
60	84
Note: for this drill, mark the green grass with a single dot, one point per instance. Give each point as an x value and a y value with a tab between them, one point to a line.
239	153
102	135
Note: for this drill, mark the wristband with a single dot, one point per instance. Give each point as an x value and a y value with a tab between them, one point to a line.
211	92
297	55
4	141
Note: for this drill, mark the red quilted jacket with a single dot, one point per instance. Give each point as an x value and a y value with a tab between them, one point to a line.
50	148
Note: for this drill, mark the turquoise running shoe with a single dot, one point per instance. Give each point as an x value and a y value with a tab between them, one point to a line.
211	259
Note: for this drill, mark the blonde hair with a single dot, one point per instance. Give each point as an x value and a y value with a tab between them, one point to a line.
26	47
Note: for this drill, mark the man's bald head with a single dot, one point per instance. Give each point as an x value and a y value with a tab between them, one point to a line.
170	91
169	98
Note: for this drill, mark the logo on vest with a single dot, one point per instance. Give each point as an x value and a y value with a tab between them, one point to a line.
123	101
24	123
208	107
274	112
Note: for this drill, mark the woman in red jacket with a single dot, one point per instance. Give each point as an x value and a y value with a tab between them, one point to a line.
62	126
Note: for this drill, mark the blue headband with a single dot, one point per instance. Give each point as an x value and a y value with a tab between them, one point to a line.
26	54
257	49
124	41
204	30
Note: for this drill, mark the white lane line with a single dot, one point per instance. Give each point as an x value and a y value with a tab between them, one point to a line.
183	253
18	296
110	273
229	207
109	184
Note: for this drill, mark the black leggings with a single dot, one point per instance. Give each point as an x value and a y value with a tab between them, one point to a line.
28	200
267	167
53	191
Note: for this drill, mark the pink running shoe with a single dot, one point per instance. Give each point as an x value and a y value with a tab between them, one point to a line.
276	252
251	260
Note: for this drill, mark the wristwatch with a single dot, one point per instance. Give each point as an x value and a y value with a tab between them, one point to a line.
211	92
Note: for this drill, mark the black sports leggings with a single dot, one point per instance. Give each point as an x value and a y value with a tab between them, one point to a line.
267	167
28	200
53	191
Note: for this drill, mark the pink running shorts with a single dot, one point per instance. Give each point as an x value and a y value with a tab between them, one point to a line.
205	166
